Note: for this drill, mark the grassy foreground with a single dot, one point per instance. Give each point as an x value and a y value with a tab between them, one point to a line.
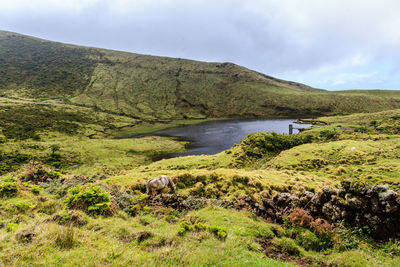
46	217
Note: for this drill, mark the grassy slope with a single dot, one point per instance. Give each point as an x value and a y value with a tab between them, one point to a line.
114	240
49	127
31	129
160	88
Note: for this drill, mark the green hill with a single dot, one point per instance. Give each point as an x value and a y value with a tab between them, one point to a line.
73	195
160	88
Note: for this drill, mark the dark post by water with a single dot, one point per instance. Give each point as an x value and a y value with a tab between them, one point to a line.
290	128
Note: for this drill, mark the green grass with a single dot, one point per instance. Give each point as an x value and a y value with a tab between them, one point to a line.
83	156
40	239
372	161
69	123
116	240
150	88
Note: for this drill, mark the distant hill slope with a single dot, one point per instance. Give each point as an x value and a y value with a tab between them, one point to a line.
158	88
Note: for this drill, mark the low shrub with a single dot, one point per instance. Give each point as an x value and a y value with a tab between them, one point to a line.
184	227
125	201
140	197
346	239
309	240
300	220
258	144
20	206
8	189
328	134
324	231
90	198
199	227
6	179
301	217
146	209
39	173
35	189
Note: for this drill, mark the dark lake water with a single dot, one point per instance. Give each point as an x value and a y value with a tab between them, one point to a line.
215	136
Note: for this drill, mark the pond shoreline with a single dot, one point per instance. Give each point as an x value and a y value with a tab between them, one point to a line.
212	137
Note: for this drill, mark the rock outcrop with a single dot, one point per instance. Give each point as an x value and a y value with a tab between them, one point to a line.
358	205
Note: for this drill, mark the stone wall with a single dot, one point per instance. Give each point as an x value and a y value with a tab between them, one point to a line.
358	205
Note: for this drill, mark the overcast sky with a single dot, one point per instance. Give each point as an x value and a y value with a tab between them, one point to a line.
330	44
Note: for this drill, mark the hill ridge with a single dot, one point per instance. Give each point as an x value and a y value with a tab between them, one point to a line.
161	88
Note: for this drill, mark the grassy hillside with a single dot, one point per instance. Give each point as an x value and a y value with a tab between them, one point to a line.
159	88
203	223
72	194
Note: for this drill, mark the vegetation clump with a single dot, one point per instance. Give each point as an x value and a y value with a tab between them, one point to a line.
90	198
259	144
321	236
328	134
288	246
8	187
219	232
11	227
10	161
35	189
70	217
264	146
65	237
39	173
21	206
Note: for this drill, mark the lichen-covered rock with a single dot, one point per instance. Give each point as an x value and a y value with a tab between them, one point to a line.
305	198
354	202
332	211
387	195
285	200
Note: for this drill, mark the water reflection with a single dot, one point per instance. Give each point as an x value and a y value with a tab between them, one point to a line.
215	136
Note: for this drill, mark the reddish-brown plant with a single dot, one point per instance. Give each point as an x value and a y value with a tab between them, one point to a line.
301	217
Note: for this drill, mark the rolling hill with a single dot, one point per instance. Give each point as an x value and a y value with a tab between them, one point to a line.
72	194
160	88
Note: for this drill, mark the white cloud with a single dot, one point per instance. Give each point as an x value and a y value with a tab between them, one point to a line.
45	5
347	78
